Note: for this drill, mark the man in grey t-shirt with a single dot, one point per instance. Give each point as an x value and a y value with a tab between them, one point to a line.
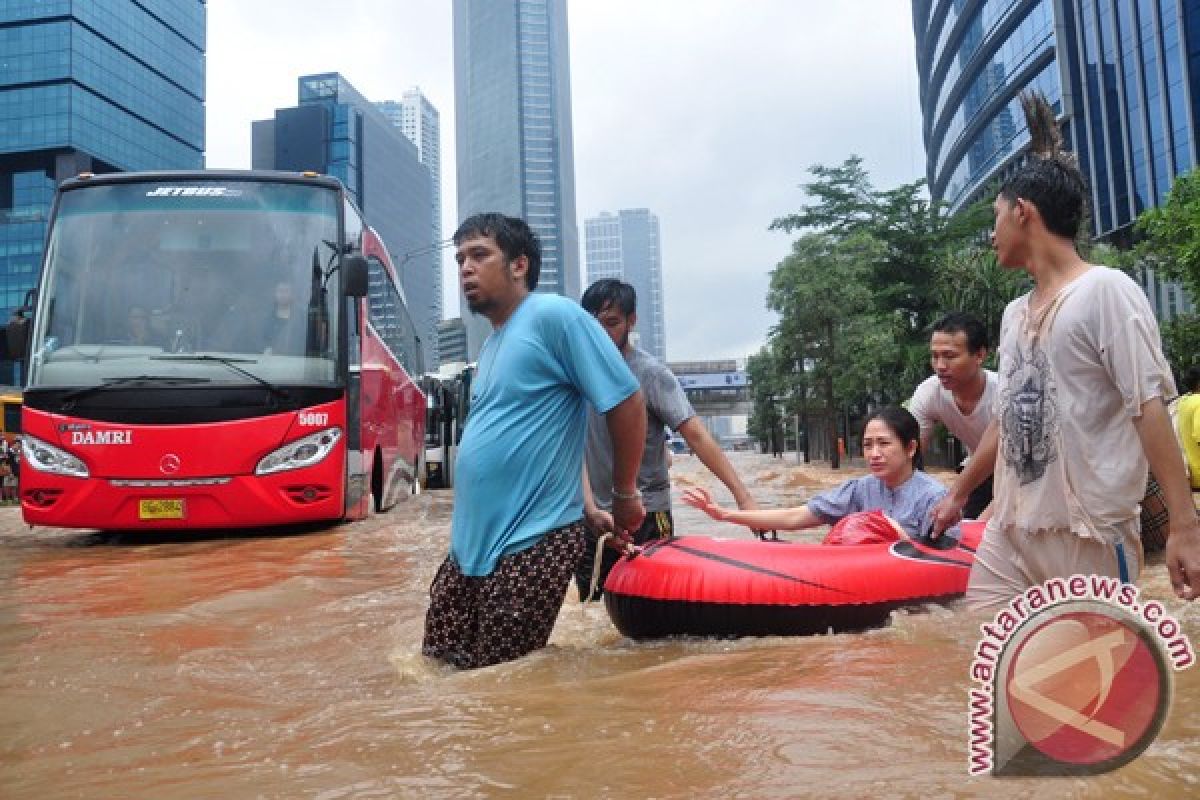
614	304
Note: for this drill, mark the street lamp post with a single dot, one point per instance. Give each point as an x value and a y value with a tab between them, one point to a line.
780	428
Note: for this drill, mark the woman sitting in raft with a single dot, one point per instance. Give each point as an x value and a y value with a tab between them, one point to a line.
896	486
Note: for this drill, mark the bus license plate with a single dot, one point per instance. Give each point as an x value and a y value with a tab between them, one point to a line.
160	509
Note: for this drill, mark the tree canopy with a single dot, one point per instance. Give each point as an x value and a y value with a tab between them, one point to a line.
1170	244
868	275
871	271
1171	234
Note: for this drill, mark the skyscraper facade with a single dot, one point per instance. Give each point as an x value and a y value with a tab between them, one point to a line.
419	121
336	131
625	246
512	92
96	86
452	341
1123	76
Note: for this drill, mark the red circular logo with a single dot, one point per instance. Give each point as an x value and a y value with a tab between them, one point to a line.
1086	687
169	464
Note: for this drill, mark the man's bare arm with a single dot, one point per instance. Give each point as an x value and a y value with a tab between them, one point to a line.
1166	462
627	429
980	465
598	518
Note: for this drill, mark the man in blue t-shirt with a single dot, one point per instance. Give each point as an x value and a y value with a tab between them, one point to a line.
517	530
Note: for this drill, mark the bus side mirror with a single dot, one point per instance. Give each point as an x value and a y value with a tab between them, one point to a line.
354	276
16	337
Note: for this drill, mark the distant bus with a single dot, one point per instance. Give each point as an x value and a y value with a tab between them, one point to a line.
447	394
214	350
10	418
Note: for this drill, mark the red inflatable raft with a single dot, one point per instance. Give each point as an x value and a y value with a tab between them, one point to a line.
745	587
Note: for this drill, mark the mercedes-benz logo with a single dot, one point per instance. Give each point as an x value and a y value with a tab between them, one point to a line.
169	464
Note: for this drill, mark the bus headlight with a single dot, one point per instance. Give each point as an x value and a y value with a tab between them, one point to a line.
45	457
300	453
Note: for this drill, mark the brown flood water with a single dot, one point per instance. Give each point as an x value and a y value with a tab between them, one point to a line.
287	667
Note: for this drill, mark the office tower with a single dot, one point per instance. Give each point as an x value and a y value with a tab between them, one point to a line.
419	121
1122	75
101	86
452	341
512	94
625	246
336	131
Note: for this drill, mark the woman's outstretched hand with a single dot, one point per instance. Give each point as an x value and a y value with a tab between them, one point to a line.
702	500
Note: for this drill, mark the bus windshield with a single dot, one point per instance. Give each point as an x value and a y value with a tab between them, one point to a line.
182	278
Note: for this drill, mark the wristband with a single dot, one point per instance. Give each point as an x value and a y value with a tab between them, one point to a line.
634	495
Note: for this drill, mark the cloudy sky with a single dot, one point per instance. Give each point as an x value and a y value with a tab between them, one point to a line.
707	112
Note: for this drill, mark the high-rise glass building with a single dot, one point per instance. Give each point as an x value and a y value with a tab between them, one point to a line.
625	246
336	131
452	341
1123	76
90	86
419	121
512	92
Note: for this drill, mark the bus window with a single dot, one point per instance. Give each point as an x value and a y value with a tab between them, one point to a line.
388	312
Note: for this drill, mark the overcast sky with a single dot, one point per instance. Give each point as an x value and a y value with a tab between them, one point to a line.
707	112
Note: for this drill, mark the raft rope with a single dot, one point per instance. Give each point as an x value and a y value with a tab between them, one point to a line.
596	564
630	550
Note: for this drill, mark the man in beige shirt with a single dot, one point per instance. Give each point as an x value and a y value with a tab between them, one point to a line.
1081	410
959	394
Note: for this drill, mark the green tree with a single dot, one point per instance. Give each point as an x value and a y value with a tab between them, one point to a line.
821	296
765	421
970	279
857	296
1171	232
1181	343
1170	245
844	201
914	236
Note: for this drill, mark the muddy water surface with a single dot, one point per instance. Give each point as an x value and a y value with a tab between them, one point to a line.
287	666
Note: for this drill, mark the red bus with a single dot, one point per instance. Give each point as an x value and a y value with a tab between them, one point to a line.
216	350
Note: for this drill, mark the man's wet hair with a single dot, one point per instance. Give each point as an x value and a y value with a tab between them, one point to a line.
1050	177
1056	187
513	236
608	292
966	324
